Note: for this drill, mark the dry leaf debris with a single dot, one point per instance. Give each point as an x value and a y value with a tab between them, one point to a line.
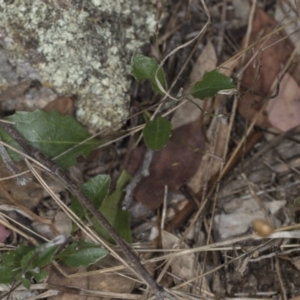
246	283
261	77
171	166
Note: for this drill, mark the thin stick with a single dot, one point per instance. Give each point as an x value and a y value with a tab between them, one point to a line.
142	172
280	279
10	165
67	180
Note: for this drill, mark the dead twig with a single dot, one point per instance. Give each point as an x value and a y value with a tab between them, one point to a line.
142	172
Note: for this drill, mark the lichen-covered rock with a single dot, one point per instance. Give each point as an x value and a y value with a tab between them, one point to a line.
77	47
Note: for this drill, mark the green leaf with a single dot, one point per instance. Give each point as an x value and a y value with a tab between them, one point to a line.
38	275
297	201
52	134
211	83
157	133
8	273
111	208
13	257
38	257
84	255
26	283
27	261
96	189
144	67
77	208
45	256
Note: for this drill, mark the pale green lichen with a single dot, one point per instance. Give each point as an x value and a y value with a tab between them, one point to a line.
80	47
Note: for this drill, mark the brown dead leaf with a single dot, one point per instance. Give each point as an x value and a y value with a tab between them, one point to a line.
109	282
103	282
296	262
185	266
189	112
29	195
63	224
62	105
261	74
57	278
284	110
211	161
171	166
206	62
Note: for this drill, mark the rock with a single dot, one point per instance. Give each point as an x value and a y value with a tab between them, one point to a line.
74	47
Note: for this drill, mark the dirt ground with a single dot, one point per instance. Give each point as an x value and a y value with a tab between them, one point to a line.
217	217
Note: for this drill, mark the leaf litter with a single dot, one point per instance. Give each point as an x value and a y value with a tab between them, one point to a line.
267	190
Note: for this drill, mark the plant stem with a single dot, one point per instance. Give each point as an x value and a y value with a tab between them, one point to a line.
157	289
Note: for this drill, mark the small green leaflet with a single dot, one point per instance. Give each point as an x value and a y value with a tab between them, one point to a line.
85	254
8	273
39	275
26	282
157	133
96	189
52	134
12	258
144	67
111	208
297	201
211	83
39	257
26	262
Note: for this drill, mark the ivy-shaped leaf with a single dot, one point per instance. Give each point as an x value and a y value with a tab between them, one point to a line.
211	83
84	255
157	133
144	67
111	208
52	134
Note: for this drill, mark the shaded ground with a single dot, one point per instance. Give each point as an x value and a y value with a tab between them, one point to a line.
235	181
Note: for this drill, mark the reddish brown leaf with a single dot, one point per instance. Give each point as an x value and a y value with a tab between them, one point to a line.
62	105
4	233
261	73
284	110
56	278
171	166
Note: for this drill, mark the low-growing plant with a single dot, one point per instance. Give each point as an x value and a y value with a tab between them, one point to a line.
62	139
25	264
